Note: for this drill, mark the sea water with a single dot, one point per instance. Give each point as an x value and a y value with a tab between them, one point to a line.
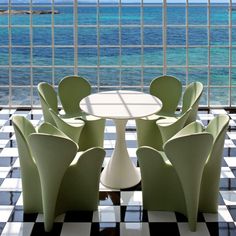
118	46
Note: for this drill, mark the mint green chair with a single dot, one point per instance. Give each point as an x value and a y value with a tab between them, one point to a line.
171	180
168	177
71	90
31	190
55	177
168	89
48	99
69	180
53	155
48	128
191	99
71	127
211	174
169	127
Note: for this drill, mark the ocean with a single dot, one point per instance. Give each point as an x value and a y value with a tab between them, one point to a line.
119	47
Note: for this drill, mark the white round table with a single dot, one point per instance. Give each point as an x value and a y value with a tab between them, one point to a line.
120	106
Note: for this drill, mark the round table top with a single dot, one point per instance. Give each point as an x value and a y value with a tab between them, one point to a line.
120	104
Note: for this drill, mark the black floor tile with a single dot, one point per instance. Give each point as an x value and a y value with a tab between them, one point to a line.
157	229
105	229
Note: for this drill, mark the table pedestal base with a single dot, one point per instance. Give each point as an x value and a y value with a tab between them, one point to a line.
120	172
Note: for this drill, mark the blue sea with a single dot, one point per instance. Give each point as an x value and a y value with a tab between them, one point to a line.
119	46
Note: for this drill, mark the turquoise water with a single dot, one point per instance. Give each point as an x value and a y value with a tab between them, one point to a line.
125	65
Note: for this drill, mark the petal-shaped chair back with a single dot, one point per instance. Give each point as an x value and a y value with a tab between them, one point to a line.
161	188
80	186
169	90
192	128
211	175
48	99
48	128
188	155
32	201
72	130
191	98
170	129
53	155
71	90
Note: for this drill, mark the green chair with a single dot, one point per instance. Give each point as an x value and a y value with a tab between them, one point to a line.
48	128
71	90
48	99
53	155
211	174
191	98
168	89
171	180
149	135
69	182
55	177
168	177
31	190
169	127
71	127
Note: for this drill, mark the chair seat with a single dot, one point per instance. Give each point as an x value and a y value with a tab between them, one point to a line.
76	122
166	121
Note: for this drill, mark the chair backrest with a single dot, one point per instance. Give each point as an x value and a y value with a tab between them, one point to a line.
71	90
194	127
29	174
48	99
53	155
80	185
48	128
185	151
72	130
188	155
211	175
191	98
170	129
169	90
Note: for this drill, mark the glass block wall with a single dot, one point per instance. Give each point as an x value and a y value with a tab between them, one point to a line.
117	44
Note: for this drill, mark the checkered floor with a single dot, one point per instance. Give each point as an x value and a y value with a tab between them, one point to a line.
120	212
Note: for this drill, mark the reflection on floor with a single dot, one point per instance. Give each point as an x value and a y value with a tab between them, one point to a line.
120	212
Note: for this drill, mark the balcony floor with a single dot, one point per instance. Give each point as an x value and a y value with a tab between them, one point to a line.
119	212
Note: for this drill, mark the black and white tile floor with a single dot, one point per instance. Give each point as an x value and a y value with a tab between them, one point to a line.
120	212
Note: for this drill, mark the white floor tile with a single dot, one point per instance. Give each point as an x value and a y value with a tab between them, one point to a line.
76	229
3	143
131	198
226	173
9	152
231	161
4	171
223	215
107	214
161	216
134	229
7	129
229	197
231	135
11	184
201	230
17	229
5	212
